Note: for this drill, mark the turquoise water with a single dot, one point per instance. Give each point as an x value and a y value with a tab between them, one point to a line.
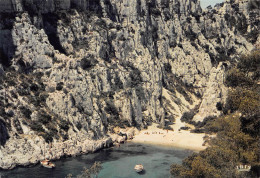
116	163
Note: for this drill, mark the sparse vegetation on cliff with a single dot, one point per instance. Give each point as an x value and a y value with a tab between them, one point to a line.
74	69
89	172
31	89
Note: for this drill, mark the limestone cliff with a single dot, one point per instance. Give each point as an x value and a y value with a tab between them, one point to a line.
74	69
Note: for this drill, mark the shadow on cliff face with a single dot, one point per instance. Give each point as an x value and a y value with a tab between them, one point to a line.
7	47
4	136
111	12
95	7
49	21
50	26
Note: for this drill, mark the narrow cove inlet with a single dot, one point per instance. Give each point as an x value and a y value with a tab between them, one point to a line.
117	162
129	88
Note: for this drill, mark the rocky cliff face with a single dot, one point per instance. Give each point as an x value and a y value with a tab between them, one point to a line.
73	70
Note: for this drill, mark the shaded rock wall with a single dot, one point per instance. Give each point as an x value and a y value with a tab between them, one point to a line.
4	136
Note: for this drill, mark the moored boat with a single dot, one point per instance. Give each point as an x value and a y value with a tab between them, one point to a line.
139	168
46	163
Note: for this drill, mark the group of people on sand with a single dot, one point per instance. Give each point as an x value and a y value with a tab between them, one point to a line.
147	133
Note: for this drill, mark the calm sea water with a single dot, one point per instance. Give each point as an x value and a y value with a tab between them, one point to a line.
116	163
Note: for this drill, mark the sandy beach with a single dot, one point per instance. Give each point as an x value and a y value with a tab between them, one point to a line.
181	139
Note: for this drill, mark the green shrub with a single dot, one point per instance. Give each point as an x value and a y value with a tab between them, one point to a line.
111	109
242	24
253	4
172	44
17	125
250	63
199	125
10	82
38	100
88	62
136	78
197	16
38	75
189	19
118	83
26	112
51	127
184	128
65	136
226	16
2	112
79	126
195	45
23	92
251	36
167	67
44	118
59	86
229	148
177	169
34	101
246	101
197	130
191	35
64	125
167	127
93	171
101	23
42	98
36	126
232	21
14	95
167	15
235	78
187	116
219	106
48	137
182	91
85	64
24	85
140	93
41	86
251	124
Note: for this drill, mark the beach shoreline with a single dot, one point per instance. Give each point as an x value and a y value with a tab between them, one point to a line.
176	137
183	139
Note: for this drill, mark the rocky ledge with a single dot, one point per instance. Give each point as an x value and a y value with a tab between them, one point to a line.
27	151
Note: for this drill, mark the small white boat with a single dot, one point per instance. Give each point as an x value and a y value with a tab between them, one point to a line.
46	163
139	168
243	168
